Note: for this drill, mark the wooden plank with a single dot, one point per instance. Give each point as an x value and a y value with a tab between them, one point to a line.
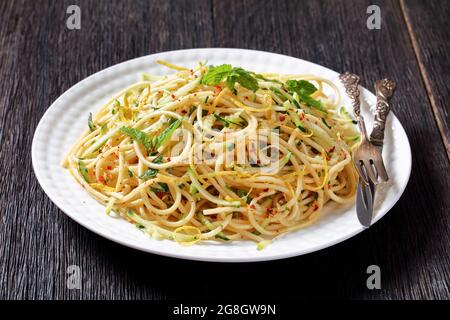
40	59
336	36
429	26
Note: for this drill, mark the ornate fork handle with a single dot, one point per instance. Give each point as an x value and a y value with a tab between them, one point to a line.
350	82
384	90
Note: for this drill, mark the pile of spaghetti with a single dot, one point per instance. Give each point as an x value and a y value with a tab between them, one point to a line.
278	149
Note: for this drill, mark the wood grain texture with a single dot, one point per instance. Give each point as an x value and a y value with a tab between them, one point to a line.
40	59
429	25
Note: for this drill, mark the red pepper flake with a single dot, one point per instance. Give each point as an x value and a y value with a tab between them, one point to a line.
265	189
252	206
246	98
282	117
109	167
258	161
173	96
183	111
168	159
315	207
217	89
328	158
332	149
160	194
102	180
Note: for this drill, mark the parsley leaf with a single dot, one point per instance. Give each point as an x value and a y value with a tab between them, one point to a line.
138	135
231	75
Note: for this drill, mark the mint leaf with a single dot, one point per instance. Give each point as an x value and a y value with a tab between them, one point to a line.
217	74
317	104
225	72
230	84
304	89
138	135
166	134
151	173
245	79
301	87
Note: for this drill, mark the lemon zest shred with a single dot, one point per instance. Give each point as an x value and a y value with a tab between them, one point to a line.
248	108
171	66
102	187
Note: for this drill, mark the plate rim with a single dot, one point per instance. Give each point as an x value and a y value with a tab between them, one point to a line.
180	254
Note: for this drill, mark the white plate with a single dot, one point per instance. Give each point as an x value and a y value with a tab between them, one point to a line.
65	121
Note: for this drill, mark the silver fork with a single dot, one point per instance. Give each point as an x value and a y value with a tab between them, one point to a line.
367	158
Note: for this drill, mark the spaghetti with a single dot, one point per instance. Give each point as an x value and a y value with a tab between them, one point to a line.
218	153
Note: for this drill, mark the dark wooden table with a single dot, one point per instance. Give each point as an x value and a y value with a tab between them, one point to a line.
40	59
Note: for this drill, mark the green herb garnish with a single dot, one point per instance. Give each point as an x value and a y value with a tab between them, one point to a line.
149	174
242	193
166	134
138	136
231	75
304	89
